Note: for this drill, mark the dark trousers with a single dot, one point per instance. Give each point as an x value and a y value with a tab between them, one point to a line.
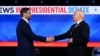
77	51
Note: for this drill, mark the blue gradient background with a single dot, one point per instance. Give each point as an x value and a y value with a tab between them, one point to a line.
45	25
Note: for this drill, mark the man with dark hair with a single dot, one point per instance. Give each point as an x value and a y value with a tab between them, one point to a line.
24	10
25	35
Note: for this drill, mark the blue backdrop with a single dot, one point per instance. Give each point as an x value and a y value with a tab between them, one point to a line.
45	25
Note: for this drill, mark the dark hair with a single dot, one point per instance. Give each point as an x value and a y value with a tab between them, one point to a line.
24	10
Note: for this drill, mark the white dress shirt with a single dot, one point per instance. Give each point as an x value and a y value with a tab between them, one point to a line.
78	23
25	20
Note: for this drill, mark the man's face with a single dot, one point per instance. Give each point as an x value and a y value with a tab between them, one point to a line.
28	14
76	16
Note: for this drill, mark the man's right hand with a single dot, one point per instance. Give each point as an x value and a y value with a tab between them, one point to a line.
50	39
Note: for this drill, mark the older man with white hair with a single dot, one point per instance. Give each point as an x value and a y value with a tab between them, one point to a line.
78	35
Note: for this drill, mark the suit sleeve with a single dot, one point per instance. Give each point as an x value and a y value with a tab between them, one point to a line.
84	37
31	35
65	35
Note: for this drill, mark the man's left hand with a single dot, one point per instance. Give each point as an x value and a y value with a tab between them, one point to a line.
70	40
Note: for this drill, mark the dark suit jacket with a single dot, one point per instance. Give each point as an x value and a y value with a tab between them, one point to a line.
25	38
80	36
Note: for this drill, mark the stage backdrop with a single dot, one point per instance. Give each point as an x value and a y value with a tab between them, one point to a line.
48	21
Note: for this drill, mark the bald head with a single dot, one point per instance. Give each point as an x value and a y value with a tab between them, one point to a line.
78	15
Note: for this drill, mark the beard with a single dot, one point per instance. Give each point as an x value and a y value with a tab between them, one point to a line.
29	18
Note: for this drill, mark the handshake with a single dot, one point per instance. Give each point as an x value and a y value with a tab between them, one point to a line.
50	39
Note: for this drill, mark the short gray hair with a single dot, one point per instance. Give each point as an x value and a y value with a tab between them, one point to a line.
81	12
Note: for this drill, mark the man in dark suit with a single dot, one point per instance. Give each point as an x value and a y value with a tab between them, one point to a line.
78	36
25	35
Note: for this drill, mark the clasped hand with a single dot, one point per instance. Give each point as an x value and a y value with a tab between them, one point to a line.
50	39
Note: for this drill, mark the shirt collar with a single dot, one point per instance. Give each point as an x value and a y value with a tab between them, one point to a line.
25	20
79	21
